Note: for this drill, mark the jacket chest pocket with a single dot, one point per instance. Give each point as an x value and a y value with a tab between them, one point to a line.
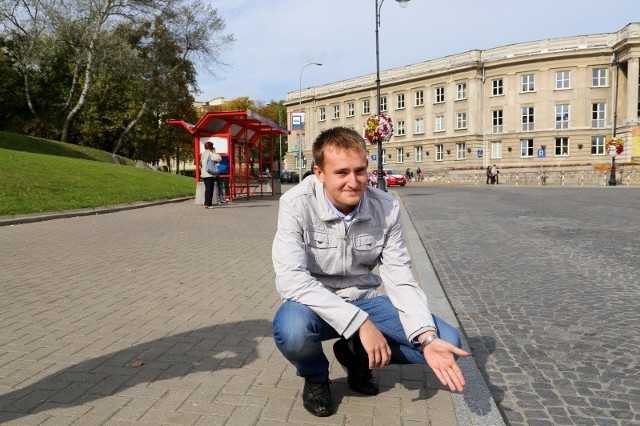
367	247
322	254
321	240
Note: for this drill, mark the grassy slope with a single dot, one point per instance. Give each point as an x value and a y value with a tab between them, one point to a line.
38	175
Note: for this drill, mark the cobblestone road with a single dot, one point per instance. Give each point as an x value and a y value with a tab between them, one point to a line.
546	284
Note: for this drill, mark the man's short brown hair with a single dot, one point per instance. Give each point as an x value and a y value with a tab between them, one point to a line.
336	137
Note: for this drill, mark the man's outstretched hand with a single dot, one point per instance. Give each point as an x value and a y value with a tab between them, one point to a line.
440	357
375	344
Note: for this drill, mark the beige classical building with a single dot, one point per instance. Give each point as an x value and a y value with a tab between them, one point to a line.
548	103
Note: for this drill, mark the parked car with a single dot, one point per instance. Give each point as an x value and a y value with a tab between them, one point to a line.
264	176
394	178
289	176
390	177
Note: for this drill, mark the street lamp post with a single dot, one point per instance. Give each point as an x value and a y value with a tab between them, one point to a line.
612	175
381	184
302	122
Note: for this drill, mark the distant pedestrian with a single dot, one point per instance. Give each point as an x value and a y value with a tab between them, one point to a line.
419	174
488	175
494	174
408	175
209	179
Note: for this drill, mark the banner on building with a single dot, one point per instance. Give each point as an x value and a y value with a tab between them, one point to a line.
297	120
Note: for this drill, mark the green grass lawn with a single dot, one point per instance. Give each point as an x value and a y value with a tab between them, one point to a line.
39	175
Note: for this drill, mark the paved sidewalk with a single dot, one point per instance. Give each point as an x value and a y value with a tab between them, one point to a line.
162	315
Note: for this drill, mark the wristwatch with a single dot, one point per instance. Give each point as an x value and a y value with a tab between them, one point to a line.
427	340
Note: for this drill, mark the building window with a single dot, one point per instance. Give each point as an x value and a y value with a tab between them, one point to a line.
366	107
336	112
526	147
439	127
460	151
562	116
598	111
322	114
439	152
527	118
439	94
383	103
399	155
419	127
461	120
400	128
496	149
419	98
419	154
528	83
400	101
597	145
351	109
563	79
599	77
497	88
562	147
496	121
461	91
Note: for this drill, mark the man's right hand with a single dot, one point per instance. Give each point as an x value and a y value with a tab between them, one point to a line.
375	344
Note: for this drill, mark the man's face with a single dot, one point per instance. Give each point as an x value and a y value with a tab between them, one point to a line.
344	175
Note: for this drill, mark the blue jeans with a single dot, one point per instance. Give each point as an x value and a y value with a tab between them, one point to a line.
299	333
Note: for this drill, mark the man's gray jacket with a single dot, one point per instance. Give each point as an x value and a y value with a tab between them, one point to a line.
321	264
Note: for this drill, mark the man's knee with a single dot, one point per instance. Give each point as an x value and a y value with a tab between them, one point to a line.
294	330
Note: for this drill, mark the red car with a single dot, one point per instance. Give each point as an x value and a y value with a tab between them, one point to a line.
390	177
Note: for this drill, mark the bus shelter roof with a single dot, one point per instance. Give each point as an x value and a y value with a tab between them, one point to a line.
242	125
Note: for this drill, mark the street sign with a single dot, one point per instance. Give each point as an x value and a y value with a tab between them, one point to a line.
374	157
541	153
480	153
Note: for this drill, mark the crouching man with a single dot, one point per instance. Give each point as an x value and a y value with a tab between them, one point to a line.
333	229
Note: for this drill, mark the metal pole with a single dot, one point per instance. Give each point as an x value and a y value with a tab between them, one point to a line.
380	183
300	138
615	63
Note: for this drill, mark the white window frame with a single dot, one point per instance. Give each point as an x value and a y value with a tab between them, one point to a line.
561	147
562	116
597	145
598	115
400	155
461	120
400	129
497	87
527	115
563	79
383	103
322	114
439	94
496	149
526	148
418	128
336	112
366	107
400	101
497	121
599	77
439	148
419	154
351	109
528	83
461	151
461	91
418	98
439	124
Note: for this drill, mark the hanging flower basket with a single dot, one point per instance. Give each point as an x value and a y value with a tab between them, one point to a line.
379	128
614	146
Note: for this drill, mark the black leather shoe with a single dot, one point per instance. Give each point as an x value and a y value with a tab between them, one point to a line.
358	373
316	398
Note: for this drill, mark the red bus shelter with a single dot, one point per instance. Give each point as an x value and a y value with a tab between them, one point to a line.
246	140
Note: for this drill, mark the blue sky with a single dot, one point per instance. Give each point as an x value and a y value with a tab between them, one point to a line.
276	38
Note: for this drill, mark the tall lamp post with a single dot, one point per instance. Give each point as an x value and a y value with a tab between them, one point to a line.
301	121
612	175
381	184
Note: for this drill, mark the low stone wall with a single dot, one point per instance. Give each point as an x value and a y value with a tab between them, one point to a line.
575	176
